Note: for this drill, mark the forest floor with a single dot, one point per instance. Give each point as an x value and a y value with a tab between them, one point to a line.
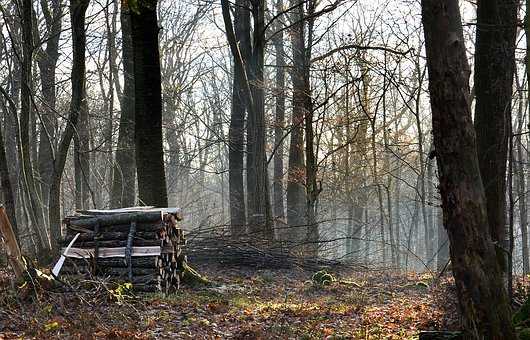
243	304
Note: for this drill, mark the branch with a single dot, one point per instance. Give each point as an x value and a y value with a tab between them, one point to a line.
360	48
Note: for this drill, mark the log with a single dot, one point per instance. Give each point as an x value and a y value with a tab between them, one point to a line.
115	219
14	255
119	262
123	228
109	236
156	261
85	268
118	243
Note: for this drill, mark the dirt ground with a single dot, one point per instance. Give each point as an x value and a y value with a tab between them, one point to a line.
241	304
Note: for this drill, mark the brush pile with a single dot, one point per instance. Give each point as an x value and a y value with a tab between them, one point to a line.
140	245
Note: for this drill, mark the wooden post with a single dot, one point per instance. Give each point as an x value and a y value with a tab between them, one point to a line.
14	255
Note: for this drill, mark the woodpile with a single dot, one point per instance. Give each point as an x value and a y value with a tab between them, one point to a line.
142	246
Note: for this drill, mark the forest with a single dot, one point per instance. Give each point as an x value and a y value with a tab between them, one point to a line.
264	169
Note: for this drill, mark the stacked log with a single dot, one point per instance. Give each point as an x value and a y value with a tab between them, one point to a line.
142	246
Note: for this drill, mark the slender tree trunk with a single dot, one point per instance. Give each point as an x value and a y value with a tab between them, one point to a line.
443	241
520	180
82	155
494	72
313	188
482	295
148	107
8	197
77	18
279	118
124	175
26	127
430	260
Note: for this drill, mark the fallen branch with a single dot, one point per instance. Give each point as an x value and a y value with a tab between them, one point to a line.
14	255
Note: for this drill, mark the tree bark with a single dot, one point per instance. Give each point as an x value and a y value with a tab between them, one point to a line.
26	127
520	180
279	117
494	72
237	124
8	198
443	242
483	299
148	106
296	195
47	63
260	214
124	175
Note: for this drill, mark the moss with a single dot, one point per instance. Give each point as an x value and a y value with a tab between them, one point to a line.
191	277
323	278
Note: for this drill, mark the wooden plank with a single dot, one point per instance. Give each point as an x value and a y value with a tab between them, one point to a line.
81	253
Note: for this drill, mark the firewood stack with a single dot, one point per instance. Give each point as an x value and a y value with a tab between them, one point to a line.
138	245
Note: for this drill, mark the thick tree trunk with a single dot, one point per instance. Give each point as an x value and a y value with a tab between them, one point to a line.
260	214
47	62
124	175
258	197
296	195
483	299
237	125
148	107
494	72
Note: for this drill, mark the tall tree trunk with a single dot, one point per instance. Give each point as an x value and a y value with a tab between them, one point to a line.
260	212
26	127
81	154
279	118
313	188
237	124
47	62
148	106
124	175
430	260
77	18
478	276
520	180
494	72
296	195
